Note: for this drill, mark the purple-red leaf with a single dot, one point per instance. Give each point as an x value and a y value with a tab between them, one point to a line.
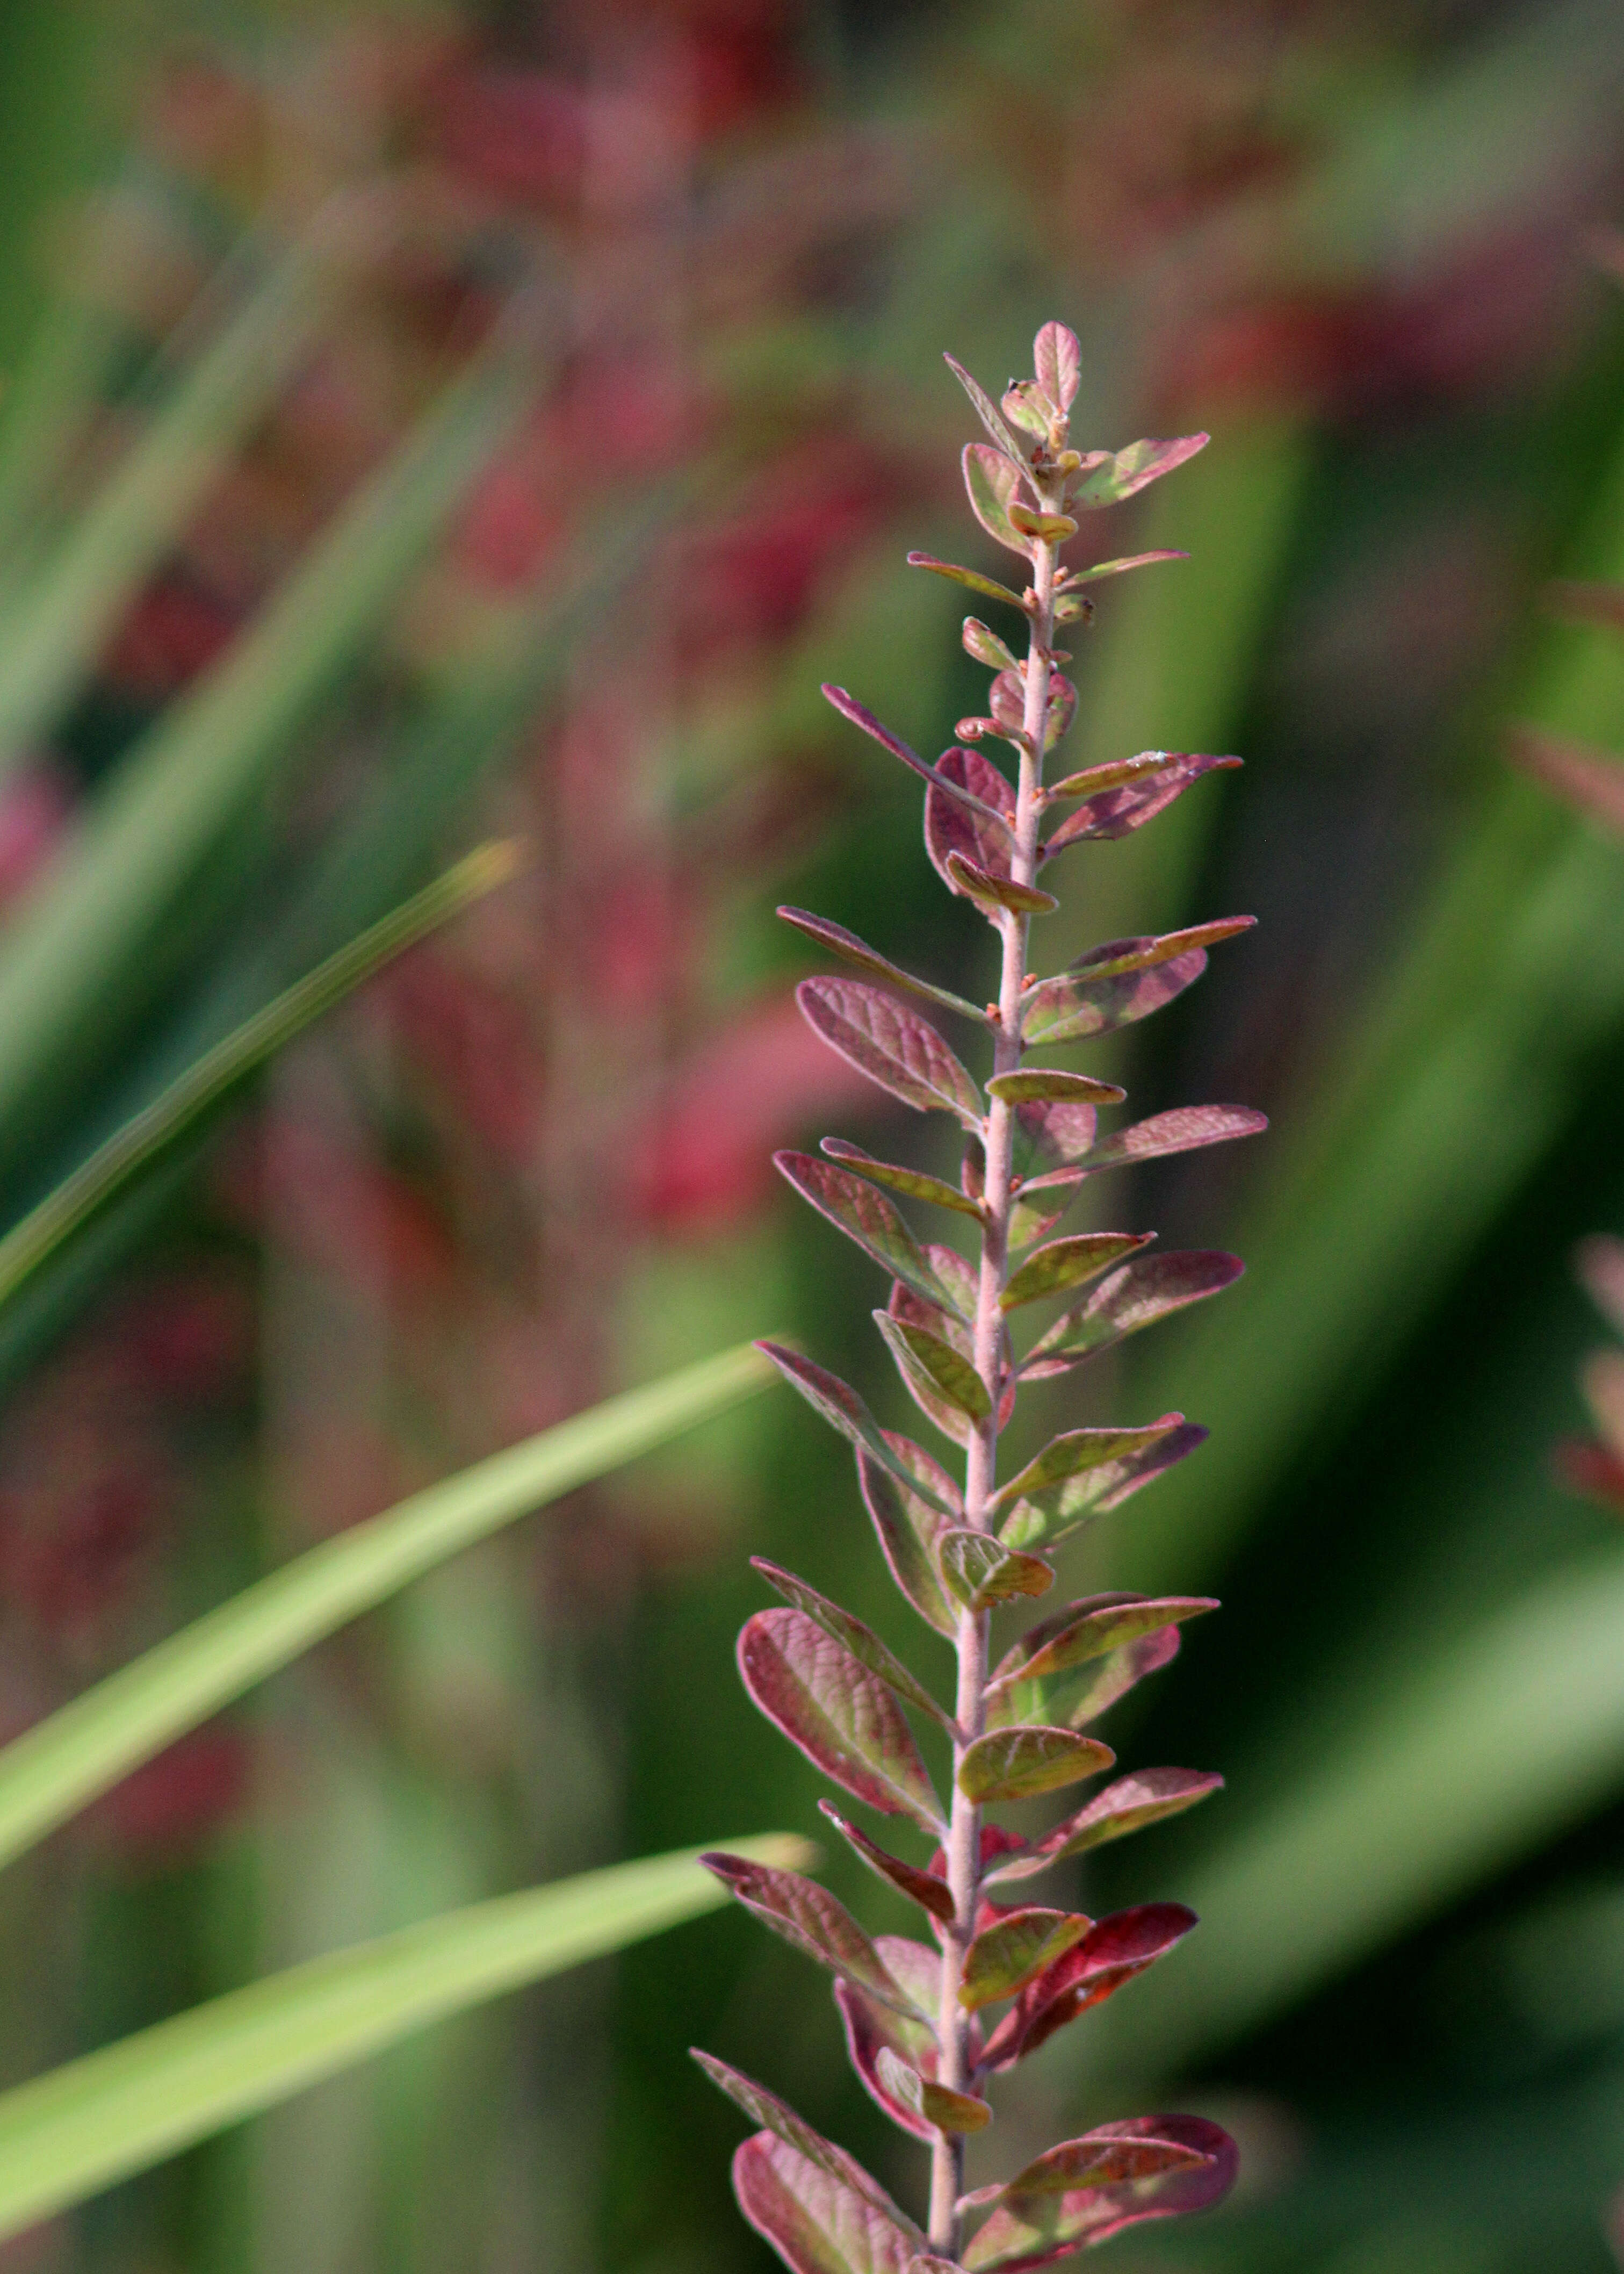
871	2029
970	578
843	1410
979	1572
815	1923
1081	1694
1016	1764
1043	1517
1126	472
1057	364
1068	1263
867	1218
1179	2163
1181	1131
1049	1084
850	1632
845	1722
851	709
996	893
764	2107
981	642
1126	1806
906	1496
1135	1297
1115	812
1122	980
1097	1629
993	481
941	2108
891	1045
986	410
1028	407
914	1183
1110	1954
1006	1955
1076	1453
1048	1135
953	826
846	944
922	1888
816	2223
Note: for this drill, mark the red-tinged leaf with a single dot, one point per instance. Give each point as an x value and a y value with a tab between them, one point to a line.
908	1310
1097	1629
1115	957
1599	1265
853	950
1062	708
961	1280
867	1218
765	2108
979	1572
1073	1700
845	1722
817	2224
984	644
986	410
1030	2230
952	826
1046	1516
1046	528
1093	779
908	1525
1016	1764
1126	1806
1109	2158
1149	1288
1035	1218
1048	1135
889	1045
955	792
914	1183
941	2108
997	893
1068	1263
1026	406
871	2030
815	1923
921	1887
1057	361
1004	1958
1587	778
1076	1454
850	1632
1115	812
1128	471
933	2266
944	1386
843	1410
1118	567
1110	1954
1077	1004
993	482
1184	1130
970	578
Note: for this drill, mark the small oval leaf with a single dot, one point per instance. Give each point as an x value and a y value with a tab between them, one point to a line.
1051	1084
814	1921
1068	1263
1016	1764
939	2105
993	481
951	827
867	1217
892	1046
980	1571
845	1720
1005	1956
937	1375
1057	361
1126	472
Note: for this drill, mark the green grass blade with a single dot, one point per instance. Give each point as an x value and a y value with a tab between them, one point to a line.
205	1085
54	1768
1426	1781
75	2131
67	952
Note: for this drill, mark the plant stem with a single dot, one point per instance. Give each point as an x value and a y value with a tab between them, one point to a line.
964	1844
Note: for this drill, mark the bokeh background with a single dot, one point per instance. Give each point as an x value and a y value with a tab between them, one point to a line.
417	425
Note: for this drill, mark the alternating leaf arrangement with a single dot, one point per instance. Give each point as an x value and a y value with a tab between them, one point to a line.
921	2021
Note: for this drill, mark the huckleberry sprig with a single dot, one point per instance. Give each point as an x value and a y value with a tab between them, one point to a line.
919	2020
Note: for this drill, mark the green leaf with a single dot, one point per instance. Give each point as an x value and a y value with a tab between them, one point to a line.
1051	1513
908	1524
914	1183
1004	1957
1046	1083
1126	472
986	409
68	2135
1076	1454
53	1769
989	891
937	2103
984	644
1017	1764
934	1368
980	1571
994	482
849	1631
969	578
1068	1263
211	1081
1097	1629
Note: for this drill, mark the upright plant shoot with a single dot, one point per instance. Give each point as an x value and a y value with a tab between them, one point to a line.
929	2024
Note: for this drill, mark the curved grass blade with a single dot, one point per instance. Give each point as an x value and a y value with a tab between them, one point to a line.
50	1772
68	2135
210	1082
